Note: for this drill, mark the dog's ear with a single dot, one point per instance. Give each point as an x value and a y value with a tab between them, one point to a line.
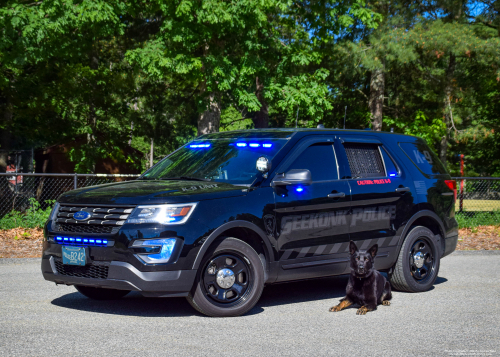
353	248
373	250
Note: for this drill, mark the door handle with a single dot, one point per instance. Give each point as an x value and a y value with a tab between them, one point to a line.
336	195
402	189
447	194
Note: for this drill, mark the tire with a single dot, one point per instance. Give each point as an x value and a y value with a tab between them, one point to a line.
416	272
229	281
101	293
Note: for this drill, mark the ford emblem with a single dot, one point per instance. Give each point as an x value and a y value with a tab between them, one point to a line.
82	216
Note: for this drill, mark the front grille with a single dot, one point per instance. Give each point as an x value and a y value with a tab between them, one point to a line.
73	228
103	220
88	271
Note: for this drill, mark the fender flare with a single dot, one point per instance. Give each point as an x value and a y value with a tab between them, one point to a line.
420	214
233	224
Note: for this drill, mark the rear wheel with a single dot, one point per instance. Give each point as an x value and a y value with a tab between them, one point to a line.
229	281
418	263
100	293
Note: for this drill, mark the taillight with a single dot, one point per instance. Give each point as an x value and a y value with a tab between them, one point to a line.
452	185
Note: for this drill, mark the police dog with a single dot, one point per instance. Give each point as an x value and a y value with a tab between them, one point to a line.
366	287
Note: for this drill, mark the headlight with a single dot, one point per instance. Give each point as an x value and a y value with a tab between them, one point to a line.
53	213
154	251
164	214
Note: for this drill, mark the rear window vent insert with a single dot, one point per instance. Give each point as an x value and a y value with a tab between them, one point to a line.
364	160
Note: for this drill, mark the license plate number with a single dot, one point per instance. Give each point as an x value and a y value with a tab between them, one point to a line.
73	255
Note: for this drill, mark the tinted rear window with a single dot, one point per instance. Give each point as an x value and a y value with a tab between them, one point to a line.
423	158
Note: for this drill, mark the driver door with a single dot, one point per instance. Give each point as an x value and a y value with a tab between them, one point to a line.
312	221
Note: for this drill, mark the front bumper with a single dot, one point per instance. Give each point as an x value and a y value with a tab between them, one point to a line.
124	276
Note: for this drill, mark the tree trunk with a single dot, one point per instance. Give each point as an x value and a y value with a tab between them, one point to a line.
376	102
261	119
151	153
209	120
5	136
92	117
447	110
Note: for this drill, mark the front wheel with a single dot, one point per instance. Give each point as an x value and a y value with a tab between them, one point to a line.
101	293
418	263
229	281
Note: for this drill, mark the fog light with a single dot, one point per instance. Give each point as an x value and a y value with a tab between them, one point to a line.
166	247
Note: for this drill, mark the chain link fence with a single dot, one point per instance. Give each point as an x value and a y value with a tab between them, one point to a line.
478	201
478	198
18	189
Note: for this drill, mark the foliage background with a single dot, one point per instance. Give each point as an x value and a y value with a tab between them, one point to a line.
115	74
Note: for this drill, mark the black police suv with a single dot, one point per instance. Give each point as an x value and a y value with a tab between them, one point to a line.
230	212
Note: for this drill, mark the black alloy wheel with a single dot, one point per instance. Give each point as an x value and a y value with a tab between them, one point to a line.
421	260
418	262
229	281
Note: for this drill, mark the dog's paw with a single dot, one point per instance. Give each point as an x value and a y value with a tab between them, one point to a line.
335	308
362	311
386	303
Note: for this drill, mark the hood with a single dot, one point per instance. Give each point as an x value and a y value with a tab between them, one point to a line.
151	192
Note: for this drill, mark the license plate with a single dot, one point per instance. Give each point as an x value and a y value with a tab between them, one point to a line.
73	255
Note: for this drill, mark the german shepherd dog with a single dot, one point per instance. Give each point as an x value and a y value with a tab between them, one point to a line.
366	287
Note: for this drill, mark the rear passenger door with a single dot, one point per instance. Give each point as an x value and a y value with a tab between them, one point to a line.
382	198
312	221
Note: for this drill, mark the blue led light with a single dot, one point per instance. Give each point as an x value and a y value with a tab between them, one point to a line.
199	146
299	189
241	145
267	145
392	175
254	145
81	241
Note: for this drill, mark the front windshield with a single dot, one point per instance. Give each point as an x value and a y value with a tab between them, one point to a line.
220	160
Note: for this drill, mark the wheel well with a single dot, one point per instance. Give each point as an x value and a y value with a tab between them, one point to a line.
431	224
254	240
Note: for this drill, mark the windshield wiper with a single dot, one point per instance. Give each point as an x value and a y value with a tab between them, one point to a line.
187	178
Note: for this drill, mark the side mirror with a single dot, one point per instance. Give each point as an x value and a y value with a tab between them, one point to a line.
293	177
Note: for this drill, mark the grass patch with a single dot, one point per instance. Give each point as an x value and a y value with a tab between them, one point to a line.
468	219
34	217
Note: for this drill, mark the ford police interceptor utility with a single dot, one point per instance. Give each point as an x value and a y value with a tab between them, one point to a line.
230	212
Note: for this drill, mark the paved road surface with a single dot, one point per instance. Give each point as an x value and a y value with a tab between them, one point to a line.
460	316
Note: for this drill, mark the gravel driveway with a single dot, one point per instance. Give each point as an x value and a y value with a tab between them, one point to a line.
460	316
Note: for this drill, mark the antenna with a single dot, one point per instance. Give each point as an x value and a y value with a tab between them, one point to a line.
345	114
297	118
